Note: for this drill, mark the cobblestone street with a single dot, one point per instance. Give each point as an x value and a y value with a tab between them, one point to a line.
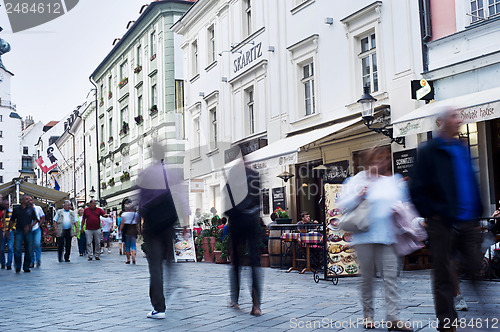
107	294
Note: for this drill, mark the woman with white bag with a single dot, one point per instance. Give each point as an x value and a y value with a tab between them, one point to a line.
380	191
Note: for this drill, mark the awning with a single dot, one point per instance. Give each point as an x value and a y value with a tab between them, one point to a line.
474	107
41	193
284	151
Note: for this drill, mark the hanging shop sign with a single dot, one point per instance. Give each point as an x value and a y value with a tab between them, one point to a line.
404	161
279	198
336	172
197	185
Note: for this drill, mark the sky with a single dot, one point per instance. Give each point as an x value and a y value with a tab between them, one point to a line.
52	62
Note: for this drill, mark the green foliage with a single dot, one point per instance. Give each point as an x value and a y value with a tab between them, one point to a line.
281	213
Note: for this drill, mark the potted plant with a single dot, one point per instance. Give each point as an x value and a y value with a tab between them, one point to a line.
282	216
123	82
137	69
152	57
218	253
124	129
103	185
110	95
102	101
138	119
110	139
111	182
125	176
102	145
207	238
153	110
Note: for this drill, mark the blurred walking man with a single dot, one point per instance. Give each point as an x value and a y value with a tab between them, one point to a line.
163	202
25	218
445	191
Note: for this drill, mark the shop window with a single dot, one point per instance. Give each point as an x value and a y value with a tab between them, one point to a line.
468	134
368	61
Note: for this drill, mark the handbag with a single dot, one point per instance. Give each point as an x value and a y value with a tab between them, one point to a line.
357	220
409	233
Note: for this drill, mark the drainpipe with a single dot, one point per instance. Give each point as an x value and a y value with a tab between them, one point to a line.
97	143
425	30
74	168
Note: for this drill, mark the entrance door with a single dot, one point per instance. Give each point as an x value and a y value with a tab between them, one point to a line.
308	190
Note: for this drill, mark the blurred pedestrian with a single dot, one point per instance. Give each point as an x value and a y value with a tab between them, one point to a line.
444	190
163	202
107	228
92	223
8	230
36	252
80	235
382	191
129	228
242	206
64	223
119	232
25	218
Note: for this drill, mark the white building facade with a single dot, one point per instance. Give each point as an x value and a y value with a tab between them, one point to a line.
90	147
28	145
282	80
138	84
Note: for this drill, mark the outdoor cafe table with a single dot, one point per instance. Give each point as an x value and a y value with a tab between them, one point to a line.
307	239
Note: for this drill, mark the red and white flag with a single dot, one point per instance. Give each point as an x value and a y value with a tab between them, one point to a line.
49	158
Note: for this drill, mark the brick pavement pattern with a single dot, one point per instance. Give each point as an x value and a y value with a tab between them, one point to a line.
110	295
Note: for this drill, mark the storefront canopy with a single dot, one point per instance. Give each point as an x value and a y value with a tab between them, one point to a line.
40	193
474	107
284	152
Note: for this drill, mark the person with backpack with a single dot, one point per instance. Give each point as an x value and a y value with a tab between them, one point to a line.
129	228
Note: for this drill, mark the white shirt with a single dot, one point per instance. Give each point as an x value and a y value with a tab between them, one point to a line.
130	218
39	214
107	223
66	219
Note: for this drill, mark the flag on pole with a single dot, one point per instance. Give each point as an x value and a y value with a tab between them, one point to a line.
56	185
49	158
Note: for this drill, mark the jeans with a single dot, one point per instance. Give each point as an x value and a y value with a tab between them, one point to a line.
36	253
20	236
64	241
82	243
9	241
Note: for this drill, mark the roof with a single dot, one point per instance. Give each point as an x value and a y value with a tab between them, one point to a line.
14	115
134	27
41	193
51	123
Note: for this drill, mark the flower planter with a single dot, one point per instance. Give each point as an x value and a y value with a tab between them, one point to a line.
123	83
283	220
208	253
265	261
218	258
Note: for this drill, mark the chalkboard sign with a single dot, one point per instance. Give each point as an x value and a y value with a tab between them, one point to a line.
279	198
336	173
404	161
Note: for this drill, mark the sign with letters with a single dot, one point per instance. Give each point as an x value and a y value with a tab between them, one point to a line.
404	161
279	198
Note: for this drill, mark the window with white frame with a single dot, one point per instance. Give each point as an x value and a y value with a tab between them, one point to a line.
110	82
308	88
247	17
152	41
194	52
481	9
1	118
250	109
213	128
197	137
102	132
1	133
138	56
102	91
124	115
1	165
110	127
154	100
123	70
139	105
211	43
368	61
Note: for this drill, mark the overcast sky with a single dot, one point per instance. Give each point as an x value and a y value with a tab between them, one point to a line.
52	62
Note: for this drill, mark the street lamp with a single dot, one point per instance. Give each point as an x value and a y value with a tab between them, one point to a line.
367	114
92	193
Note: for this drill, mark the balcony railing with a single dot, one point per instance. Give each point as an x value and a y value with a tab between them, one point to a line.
6	103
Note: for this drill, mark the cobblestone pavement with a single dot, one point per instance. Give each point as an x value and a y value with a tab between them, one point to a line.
110	295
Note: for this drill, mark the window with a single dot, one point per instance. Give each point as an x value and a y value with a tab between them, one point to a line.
368	57
247	17
102	91
139	105
123	70
197	140
102	133
481	9
110	82
152	40
211	44
138	56
1	118
213	128
249	96
1	133
1	179
1	165
153	95
1	148
110	127
25	150
308	84
124	115
194	49
27	163
265	201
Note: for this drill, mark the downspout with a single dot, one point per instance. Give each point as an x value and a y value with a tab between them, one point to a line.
425	30
97	143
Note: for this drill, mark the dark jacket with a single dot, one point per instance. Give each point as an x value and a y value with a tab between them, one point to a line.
433	186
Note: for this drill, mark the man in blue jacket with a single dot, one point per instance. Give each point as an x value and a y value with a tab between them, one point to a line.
444	190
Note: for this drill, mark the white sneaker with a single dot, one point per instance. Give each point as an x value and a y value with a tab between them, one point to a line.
109	251
156	315
460	304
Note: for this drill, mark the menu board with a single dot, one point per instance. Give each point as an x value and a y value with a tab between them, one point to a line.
184	245
341	257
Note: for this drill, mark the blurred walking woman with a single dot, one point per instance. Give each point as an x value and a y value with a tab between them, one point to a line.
129	228
381	190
